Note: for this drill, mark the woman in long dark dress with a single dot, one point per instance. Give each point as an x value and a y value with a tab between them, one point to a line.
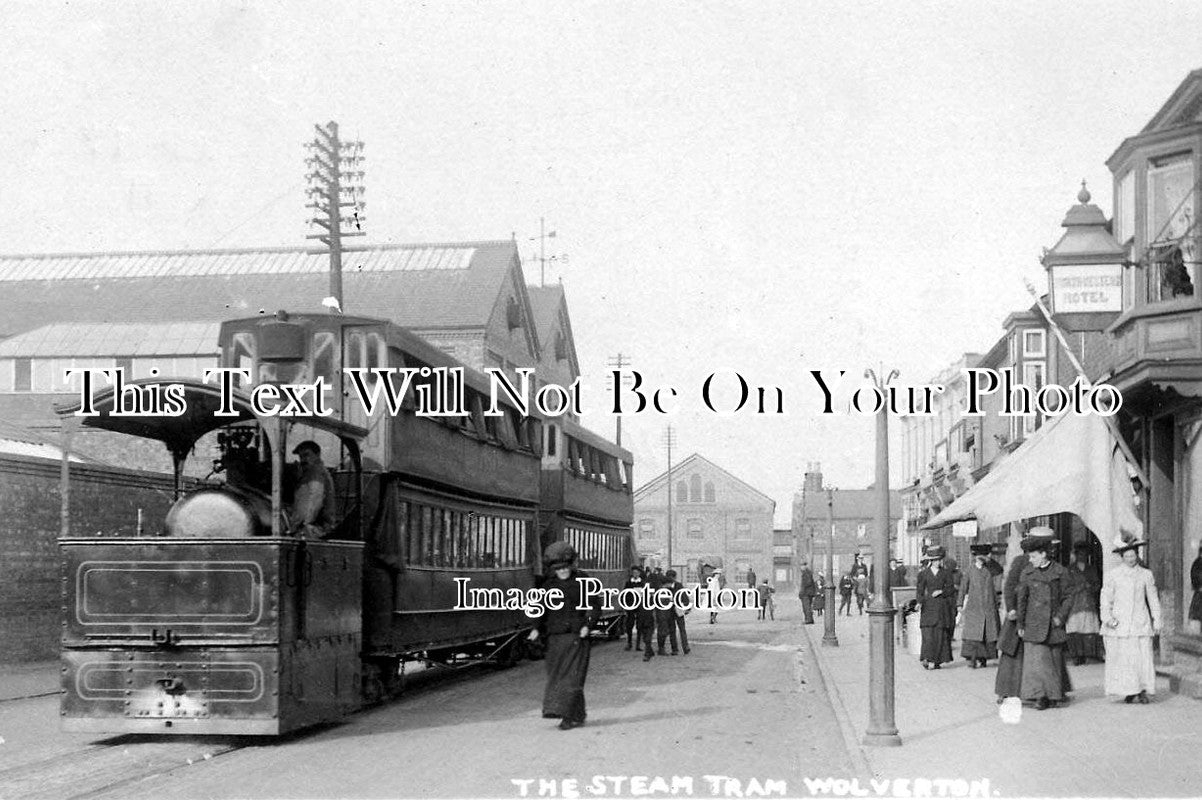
936	594
1195	580
981	622
565	631
1045	596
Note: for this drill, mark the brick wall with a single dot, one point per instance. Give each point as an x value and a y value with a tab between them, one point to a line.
104	500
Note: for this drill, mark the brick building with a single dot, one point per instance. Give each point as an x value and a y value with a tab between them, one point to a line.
853	512
716	519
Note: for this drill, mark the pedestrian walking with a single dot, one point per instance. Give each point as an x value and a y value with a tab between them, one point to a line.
1045	596
566	633
636	582
751	579
806	589
847	585
1195	606
767	607
1084	626
1008	682
820	593
714	585
861	589
1131	609
936	596
979	609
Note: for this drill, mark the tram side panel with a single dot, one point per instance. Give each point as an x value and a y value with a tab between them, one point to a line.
242	636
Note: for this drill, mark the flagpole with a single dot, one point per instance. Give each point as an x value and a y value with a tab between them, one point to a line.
1110	423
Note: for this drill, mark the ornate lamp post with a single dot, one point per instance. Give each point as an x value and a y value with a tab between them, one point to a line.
882	730
829	639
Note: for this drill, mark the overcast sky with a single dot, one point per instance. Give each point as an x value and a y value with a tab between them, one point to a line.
762	187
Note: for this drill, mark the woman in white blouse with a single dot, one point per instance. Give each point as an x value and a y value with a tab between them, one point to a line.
1130	611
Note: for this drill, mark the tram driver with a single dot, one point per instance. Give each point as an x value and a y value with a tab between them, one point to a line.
311	515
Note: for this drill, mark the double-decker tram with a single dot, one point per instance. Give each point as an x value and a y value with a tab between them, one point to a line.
587	501
230	616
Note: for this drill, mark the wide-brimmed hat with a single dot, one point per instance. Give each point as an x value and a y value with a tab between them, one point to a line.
559	555
1037	543
980	549
1122	544
1040	532
934	553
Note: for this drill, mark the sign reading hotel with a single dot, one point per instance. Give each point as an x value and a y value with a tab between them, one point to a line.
1085	288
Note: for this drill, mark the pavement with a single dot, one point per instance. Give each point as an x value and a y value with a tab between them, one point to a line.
950	728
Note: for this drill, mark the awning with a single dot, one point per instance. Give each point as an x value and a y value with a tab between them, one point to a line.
1071	464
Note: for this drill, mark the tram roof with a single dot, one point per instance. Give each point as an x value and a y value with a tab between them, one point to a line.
180	432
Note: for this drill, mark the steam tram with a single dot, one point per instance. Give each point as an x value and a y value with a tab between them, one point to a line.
219	620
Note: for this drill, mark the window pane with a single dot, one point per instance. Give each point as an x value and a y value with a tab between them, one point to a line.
1170	199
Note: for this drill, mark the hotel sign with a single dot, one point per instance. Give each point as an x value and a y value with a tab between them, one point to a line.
1087	288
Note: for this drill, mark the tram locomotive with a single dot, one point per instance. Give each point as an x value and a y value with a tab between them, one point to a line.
221	619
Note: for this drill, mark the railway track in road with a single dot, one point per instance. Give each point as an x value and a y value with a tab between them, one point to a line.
103	768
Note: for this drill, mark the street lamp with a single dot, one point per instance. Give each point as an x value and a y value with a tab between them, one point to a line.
882	730
829	639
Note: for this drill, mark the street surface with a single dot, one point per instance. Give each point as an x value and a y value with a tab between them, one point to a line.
747	705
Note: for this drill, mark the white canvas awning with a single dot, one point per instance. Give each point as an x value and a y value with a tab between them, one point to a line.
1071	464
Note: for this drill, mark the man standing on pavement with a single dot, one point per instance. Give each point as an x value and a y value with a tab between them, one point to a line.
806	591
751	578
897	573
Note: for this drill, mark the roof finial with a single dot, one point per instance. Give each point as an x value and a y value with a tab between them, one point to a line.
1083	196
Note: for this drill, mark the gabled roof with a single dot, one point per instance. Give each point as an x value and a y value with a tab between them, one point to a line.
547	303
1183	107
64	339
420	286
658	481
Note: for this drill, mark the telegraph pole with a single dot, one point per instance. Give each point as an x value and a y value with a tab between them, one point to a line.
882	730
335	182
669	440
543	236
617	362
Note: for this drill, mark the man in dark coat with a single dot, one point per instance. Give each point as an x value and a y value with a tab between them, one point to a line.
806	591
979	604
936	595
566	633
636	581
672	620
897	573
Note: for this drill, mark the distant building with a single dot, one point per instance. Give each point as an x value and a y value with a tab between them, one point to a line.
854	520
716	520
784	573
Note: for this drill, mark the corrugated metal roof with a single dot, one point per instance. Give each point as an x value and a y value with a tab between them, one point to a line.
228	262
424	287
90	340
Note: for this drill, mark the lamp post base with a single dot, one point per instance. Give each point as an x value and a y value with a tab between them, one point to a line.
881	740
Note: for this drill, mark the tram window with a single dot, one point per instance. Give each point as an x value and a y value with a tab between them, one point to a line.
428	555
324	361
353	357
402	529
242	354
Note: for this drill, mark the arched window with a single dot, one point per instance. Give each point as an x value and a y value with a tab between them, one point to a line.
682	492
695	488
709	492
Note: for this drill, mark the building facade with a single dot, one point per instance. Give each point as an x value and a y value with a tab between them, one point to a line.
840	522
715	520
